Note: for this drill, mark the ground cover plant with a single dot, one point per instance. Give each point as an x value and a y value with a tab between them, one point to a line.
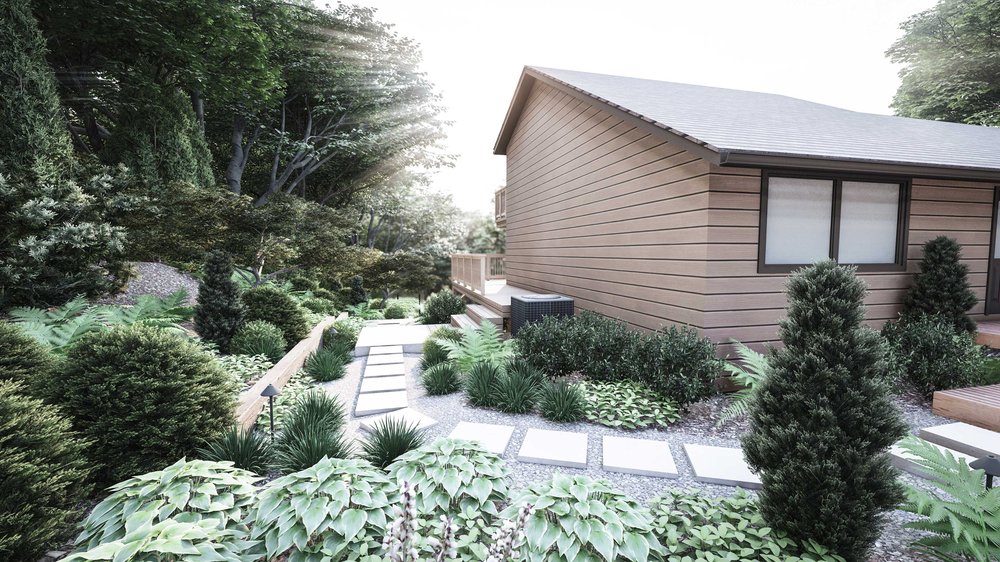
245	368
627	405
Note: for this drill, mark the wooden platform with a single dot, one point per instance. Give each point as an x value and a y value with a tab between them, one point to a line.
977	405
497	294
988	334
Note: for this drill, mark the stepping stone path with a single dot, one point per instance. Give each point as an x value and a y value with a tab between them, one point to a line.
907	461
386	359
638	456
382	384
964	438
492	437
721	465
407	415
384	349
560	448
393	370
379	402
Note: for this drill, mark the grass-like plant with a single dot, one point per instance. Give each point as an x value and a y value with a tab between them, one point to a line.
481	384
442	378
326	364
434	354
311	430
560	401
628	405
248	449
390	437
517	391
484	343
747	374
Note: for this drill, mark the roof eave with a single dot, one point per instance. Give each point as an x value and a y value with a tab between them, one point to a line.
736	158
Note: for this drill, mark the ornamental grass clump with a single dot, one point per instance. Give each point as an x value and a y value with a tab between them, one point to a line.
311	430
518	389
822	420
389	438
259	338
326	364
440	379
560	401
481	384
248	449
433	354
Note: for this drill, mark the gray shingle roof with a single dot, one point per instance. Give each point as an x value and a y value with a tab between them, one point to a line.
738	121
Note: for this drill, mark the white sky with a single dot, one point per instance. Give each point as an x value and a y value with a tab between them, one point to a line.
827	51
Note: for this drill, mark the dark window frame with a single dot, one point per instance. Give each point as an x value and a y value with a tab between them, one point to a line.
902	218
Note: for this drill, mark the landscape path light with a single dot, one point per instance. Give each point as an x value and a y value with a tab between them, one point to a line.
990	464
270	392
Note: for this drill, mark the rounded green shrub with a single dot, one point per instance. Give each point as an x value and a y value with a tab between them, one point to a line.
43	473
434	354
394	311
23	359
441	379
440	306
562	402
259	338
679	364
319	306
146	397
932	354
345	331
273	305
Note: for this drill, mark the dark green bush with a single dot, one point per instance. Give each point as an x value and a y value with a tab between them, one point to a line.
517	391
562	402
942	285
389	438
441	379
356	293
43	473
258	337
548	345
219	312
933	355
481	384
679	364
434	354
23	359
146	397
608	349
326	364
440	306
273	305
319	305
395	311
249	449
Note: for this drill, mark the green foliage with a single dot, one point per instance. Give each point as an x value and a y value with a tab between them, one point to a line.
396	311
298	385
23	359
389	438
577	518
273	305
245	368
484	343
347	330
550	345
356	294
258	337
699	528
606	349
219	313
440	306
628	405
319	305
333	510
327	364
991	371
822	421
481	384
170	540
562	402
680	364
364	311
434	354
311	430
144	396
453	476
248	449
446	333
942	286
517	390
932	355
748	374
442	378
43	473
962	516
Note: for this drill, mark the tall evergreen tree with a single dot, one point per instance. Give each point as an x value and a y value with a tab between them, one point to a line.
219	312
822	421
942	286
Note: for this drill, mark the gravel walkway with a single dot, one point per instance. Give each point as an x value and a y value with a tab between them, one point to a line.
154	278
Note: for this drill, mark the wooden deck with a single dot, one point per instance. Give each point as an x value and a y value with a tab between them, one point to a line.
497	294
989	334
978	405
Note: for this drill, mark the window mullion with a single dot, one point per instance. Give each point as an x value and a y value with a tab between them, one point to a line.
835	218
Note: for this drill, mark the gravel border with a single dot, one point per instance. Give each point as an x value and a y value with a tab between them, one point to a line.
154	278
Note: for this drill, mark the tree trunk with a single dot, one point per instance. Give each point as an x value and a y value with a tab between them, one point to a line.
198	103
237	158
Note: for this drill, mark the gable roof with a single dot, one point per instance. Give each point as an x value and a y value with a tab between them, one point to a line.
738	127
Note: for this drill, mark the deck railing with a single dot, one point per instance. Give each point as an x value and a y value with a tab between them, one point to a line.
500	204
472	271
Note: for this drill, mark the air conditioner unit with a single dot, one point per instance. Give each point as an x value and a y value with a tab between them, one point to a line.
529	308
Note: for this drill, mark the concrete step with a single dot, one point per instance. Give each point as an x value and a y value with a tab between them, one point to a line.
907	462
463	321
479	313
964	438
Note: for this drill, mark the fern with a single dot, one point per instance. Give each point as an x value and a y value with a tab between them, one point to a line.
748	374
482	344
964	519
364	311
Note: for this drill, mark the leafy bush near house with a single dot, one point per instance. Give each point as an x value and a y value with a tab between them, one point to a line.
248	449
327	364
146	397
627	404
942	285
484	343
606	349
562	402
440	306
932	355
258	337
481	384
549	345
389	438
311	430
679	364
219	312
577	518
273	305
23	359
43	473
747	374
442	378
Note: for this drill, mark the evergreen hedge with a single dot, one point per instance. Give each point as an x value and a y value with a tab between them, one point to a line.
219	313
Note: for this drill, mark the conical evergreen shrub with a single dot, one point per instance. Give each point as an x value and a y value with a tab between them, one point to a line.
219	313
942	286
822	421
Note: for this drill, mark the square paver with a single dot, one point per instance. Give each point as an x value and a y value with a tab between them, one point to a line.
386	359
391	370
493	437
638	456
408	415
382	384
385	349
907	461
721	465
964	438
379	402
560	448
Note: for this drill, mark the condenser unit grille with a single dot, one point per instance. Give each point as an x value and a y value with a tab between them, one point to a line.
529	308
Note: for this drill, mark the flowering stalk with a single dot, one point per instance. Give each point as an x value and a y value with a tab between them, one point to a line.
449	546
398	542
507	539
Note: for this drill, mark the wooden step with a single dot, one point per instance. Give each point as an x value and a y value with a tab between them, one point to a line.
463	321
964	438
479	313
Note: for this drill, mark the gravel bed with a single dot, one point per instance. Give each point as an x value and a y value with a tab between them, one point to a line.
154	278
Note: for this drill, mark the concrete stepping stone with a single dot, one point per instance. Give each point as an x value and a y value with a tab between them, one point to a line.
963	438
721	465
382	384
560	448
379	402
907	461
645	457
494	438
407	415
385	349
392	370
387	359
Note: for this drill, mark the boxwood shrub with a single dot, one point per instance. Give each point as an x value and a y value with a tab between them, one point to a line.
931	354
440	306
259	338
273	305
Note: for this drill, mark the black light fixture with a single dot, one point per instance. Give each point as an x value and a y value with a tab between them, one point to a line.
990	464
270	392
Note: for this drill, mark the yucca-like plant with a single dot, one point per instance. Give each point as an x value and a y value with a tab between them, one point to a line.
311	430
441	379
562	402
484	343
434	354
325	365
964	518
517	391
390	437
747	373
248	449
481	384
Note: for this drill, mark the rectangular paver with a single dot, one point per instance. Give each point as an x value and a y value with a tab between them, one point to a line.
385	349
382	384
379	402
391	370
408	415
721	465
638	456
907	461
493	437
560	448
964	438
385	359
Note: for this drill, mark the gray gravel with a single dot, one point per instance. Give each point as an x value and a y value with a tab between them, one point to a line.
154	278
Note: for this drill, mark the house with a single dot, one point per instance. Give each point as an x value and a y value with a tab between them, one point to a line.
659	203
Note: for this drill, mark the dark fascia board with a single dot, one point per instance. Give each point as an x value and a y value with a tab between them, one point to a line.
815	163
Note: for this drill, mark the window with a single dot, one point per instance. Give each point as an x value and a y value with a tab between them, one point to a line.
810	217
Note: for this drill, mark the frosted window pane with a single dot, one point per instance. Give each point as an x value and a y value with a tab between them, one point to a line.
798	220
868	216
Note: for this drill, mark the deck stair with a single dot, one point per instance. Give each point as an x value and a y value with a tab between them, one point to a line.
479	313
977	405
463	321
963	438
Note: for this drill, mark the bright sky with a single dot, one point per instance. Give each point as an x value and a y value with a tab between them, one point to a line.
827	51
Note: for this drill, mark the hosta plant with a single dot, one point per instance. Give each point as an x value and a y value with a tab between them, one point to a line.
627	405
170	540
334	510
484	343
577	518
747	374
